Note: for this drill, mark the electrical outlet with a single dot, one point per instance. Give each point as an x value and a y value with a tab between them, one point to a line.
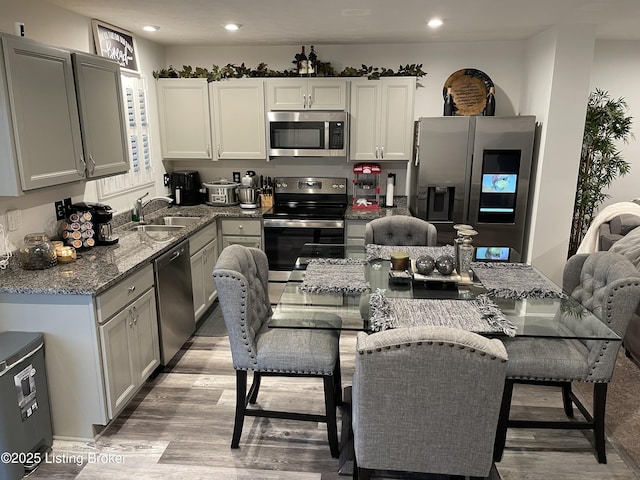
60	210
166	180
14	219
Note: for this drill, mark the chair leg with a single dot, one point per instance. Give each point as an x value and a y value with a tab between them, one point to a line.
255	386
330	408
337	383
599	405
566	399
503	421
241	392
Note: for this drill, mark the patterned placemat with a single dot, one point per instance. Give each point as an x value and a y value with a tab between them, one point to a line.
335	275
479	316
514	280
383	252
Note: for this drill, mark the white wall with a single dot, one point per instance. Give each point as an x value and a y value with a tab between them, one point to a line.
616	69
55	26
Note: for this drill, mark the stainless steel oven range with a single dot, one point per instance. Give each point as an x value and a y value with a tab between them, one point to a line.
305	210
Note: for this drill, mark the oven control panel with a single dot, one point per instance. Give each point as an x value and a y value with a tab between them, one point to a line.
310	185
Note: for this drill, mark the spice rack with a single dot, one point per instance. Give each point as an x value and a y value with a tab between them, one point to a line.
366	186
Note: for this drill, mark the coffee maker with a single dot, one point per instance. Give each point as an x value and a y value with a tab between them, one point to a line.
185	187
101	216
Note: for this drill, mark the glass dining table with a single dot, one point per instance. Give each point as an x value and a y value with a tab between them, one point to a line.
556	316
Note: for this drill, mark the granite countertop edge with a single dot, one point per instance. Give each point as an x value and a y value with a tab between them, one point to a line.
99	268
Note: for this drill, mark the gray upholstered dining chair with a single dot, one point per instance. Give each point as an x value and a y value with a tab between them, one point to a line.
241	275
426	399
606	284
400	230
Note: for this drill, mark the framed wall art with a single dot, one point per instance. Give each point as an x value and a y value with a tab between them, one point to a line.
114	43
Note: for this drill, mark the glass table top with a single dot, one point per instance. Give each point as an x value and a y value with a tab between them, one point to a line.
533	317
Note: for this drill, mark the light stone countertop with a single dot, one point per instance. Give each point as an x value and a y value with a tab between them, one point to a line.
100	267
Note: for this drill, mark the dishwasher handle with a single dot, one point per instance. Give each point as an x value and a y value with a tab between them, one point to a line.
173	254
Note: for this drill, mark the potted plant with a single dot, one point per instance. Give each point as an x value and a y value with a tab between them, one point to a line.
606	124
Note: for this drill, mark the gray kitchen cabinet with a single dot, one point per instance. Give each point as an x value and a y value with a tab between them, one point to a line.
237	110
247	232
306	93
204	254
40	139
128	338
83	381
102	117
381	118
185	123
354	231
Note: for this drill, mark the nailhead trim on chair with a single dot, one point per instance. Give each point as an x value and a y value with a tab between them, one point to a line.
462	347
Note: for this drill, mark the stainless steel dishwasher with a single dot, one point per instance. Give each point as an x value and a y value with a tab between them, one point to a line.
174	294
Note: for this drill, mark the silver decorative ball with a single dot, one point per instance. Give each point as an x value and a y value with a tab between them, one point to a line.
425	264
444	264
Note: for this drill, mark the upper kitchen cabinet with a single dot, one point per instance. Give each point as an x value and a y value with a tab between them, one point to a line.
237	109
382	119
306	94
40	140
185	125
102	115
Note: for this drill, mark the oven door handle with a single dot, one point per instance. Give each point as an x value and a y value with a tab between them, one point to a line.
294	223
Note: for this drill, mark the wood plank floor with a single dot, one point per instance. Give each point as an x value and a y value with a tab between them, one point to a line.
179	426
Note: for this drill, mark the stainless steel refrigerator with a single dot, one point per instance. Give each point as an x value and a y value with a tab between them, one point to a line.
476	171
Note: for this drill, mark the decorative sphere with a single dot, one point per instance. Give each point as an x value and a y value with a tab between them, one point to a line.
444	264
425	264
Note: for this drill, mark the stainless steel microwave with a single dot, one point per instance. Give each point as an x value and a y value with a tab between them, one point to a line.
307	134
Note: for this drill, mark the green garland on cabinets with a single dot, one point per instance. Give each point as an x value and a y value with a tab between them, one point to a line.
324	70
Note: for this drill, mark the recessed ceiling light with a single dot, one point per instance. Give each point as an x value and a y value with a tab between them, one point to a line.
150	28
435	23
232	27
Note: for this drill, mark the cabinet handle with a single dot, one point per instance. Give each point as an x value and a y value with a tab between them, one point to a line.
239	227
310	101
84	167
130	319
376	151
208	150
135	315
382	151
132	288
218	151
304	101
93	164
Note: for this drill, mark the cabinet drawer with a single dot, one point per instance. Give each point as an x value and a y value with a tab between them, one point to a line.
241	227
356	229
201	238
126	291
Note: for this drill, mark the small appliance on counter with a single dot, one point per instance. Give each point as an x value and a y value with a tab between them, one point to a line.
249	192
185	187
222	192
366	186
101	216
78	230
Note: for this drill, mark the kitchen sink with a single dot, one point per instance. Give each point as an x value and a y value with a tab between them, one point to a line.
157	228
175	221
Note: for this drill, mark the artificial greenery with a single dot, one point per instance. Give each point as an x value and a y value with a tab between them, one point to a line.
324	69
605	126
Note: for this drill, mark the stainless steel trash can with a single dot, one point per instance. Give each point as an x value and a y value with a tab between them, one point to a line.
25	426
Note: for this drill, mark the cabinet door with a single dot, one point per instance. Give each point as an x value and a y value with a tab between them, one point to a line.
396	118
286	94
365	120
326	94
247	241
146	343
118	364
44	114
197	282
185	125
355	230
101	115
210	258
237	108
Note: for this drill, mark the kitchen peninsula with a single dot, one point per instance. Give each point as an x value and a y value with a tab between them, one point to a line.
74	303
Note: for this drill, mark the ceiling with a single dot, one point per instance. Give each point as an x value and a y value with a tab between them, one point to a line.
336	22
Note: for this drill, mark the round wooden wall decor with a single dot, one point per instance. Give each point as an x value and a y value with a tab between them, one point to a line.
469	88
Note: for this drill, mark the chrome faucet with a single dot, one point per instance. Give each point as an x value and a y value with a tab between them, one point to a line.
139	207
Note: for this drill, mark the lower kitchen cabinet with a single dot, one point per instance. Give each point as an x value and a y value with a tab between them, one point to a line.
354	231
205	245
130	350
247	232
